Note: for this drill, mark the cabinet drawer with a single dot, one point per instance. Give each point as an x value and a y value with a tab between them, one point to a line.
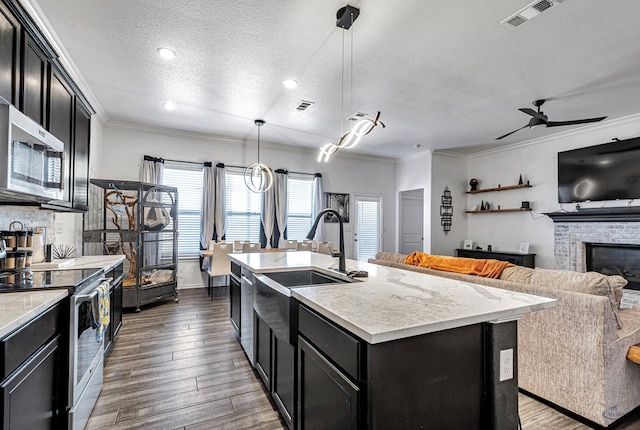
339	346
16	348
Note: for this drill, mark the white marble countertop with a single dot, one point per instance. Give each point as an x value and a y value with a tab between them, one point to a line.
105	262
19	308
394	303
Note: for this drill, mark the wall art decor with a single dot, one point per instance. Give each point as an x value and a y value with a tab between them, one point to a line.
338	202
446	210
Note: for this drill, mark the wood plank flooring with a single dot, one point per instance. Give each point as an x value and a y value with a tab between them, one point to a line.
179	366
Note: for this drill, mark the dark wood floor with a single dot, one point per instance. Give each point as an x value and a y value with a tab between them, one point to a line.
178	366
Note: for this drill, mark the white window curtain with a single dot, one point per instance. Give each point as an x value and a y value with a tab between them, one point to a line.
220	201
151	171
207	218
268	216
281	204
318	202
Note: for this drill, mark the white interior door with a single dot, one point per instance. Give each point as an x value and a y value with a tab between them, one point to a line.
368	229
411	221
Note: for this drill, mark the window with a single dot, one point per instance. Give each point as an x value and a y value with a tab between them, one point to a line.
301	211
188	180
243	209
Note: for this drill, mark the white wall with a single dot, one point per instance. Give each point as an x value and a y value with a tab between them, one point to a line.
125	145
448	171
537	162
413	173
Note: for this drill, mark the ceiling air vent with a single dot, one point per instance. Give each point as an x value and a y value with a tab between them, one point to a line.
356	116
529	12
304	105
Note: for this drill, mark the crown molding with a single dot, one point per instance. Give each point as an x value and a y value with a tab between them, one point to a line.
36	13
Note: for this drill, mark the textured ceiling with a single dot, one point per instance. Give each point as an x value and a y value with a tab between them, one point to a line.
444	74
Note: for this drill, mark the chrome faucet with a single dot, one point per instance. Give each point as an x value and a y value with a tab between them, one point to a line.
341	262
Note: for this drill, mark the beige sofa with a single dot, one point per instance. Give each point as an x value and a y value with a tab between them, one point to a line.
573	355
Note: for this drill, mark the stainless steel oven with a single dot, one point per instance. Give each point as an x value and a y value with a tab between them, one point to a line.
86	356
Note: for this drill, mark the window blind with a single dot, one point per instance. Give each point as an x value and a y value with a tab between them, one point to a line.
188	180
368	229
243	209
300	204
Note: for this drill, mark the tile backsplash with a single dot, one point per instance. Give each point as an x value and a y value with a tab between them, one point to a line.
61	228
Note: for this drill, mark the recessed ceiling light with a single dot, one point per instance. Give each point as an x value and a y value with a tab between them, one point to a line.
170	106
290	84
166	53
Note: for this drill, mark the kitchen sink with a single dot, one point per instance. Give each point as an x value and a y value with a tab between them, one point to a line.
303	278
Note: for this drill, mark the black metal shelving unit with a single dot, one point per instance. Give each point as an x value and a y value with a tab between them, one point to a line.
116	224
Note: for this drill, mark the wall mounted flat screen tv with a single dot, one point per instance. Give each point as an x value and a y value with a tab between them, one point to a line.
610	171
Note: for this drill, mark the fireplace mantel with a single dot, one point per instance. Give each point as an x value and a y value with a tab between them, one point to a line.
619	214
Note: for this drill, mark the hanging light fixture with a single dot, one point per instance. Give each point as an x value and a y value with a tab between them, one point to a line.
258	177
345	17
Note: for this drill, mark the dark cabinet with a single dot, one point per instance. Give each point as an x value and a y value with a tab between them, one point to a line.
29	396
235	294
327	398
283	380
262	350
526	260
60	111
81	140
33	80
33	390
10	32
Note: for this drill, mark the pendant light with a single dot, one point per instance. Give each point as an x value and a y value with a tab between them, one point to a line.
258	177
345	17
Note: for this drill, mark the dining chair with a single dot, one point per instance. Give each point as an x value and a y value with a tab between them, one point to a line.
251	247
313	243
237	245
291	244
220	263
304	246
325	248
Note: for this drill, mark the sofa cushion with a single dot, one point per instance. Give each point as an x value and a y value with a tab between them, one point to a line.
517	274
589	283
391	257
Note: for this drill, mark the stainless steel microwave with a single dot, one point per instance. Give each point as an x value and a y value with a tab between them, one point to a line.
31	158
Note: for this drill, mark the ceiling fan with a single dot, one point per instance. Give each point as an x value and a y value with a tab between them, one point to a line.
539	119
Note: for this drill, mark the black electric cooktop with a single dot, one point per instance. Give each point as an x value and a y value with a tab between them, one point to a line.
73	280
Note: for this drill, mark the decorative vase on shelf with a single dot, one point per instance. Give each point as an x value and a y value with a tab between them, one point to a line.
520	180
474	184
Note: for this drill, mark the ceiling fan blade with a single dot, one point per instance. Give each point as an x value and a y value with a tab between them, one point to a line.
509	134
533	113
576	121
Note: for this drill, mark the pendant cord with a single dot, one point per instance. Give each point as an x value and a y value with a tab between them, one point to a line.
351	71
342	87
258	144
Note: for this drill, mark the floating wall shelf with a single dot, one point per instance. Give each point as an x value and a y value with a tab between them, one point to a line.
508	187
500	210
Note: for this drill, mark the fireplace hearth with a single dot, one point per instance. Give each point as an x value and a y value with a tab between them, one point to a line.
615	259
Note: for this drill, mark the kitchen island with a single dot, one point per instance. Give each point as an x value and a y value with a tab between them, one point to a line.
398	349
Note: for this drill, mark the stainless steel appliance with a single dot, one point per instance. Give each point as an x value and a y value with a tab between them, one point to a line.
246	315
86	355
31	158
85	351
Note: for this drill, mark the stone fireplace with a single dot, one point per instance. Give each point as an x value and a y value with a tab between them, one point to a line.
578	235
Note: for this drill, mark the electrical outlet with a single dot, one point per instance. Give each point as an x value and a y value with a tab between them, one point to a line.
506	364
59	227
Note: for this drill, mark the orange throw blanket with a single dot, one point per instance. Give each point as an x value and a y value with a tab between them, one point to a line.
468	266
